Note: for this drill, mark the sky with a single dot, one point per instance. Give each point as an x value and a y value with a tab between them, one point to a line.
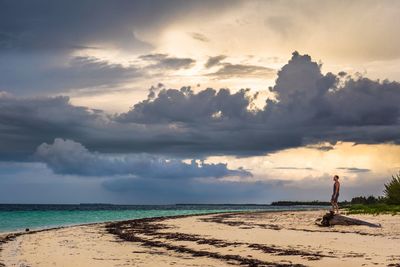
161	102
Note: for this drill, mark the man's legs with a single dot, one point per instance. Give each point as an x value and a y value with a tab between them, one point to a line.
336	206
333	204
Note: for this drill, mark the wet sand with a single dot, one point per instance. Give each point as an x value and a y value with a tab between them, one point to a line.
245	239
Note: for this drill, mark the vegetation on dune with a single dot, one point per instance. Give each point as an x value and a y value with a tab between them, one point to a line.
367	200
392	190
389	203
378	208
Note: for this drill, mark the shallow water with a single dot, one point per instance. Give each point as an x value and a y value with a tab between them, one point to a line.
18	217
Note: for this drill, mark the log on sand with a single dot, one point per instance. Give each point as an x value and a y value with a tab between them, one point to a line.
331	219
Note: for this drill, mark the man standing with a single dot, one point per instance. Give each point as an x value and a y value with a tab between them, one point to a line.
335	195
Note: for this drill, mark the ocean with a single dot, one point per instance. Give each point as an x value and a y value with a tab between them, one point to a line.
17	217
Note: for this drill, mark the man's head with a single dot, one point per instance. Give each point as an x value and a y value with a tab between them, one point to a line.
336	177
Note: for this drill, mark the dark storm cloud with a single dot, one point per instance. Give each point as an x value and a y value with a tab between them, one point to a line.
26	123
65	25
73	73
69	157
38	39
208	106
311	108
163	61
32	26
330	108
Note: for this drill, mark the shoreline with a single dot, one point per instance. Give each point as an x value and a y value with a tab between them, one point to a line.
10	235
34	230
246	238
2	233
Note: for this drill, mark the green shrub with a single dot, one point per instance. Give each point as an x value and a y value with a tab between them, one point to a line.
378	208
392	190
365	200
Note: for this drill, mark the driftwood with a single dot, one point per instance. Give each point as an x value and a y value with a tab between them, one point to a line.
331	219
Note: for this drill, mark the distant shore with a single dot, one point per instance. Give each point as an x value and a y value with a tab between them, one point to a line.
286	238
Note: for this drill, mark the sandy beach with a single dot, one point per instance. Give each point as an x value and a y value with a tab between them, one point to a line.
245	239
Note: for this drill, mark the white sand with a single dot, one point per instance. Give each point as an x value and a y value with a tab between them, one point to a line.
284	232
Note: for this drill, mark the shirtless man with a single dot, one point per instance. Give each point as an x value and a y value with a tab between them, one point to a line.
335	195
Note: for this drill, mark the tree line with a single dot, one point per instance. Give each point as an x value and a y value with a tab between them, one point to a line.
391	194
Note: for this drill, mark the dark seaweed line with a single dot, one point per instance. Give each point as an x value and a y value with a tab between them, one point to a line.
222	243
141	227
129	231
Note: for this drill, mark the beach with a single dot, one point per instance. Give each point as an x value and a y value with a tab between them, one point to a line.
285	238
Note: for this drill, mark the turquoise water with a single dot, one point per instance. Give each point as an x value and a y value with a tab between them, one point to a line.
19	220
20	217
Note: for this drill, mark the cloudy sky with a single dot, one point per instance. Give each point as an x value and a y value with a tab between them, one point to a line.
156	102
